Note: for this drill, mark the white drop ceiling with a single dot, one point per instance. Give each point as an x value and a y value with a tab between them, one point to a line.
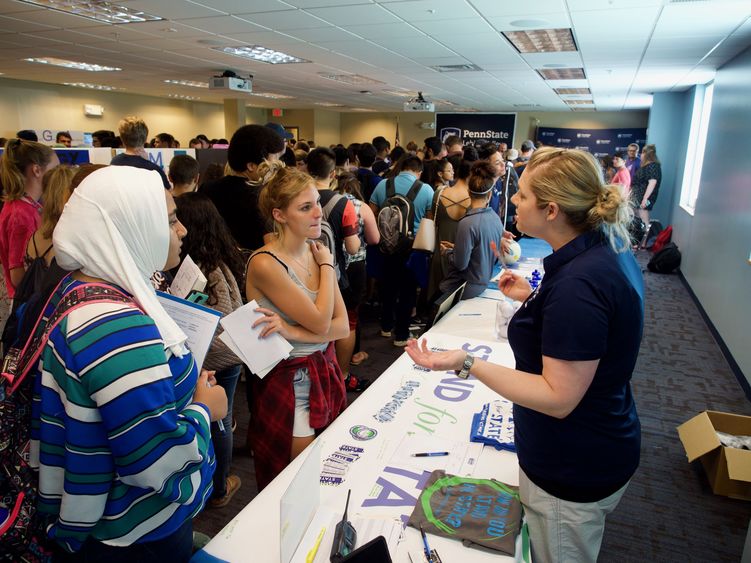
629	49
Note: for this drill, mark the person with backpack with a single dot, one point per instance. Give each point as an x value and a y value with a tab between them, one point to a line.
292	279
121	417
575	341
399	204
22	167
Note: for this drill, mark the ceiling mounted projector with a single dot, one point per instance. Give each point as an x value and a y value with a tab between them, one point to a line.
230	81
419	104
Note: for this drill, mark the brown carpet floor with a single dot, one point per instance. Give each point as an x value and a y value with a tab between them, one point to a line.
669	512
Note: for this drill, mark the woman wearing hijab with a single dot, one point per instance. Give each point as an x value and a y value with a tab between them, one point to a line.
121	416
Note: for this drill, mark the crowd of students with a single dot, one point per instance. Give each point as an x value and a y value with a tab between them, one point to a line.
115	386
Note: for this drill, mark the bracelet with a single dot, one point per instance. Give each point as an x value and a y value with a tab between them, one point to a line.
326	264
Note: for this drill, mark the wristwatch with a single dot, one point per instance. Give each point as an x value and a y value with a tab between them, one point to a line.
469	361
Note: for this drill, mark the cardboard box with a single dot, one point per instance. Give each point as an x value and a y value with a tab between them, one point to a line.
728	469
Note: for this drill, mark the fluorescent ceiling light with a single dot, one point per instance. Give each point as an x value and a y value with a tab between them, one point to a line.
579	102
360	109
456	68
571	91
561	73
352	79
72	64
183	97
272	95
97	10
329	105
542	40
192	83
261	54
91	86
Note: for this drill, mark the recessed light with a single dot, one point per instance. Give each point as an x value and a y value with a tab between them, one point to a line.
97	10
352	79
91	86
562	73
193	83
542	40
571	91
360	109
579	102
261	54
72	64
272	95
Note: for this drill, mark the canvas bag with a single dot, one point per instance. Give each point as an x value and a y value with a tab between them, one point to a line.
425	237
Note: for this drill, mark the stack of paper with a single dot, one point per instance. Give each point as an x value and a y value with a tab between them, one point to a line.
188	278
259	354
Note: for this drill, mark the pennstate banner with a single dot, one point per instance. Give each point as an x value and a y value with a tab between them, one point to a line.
476	128
600	142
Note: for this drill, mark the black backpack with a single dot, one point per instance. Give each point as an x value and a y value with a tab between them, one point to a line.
329	235
396	219
655	228
666	261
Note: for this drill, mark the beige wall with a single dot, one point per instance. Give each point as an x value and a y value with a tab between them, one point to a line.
36	105
327	127
358	127
304	119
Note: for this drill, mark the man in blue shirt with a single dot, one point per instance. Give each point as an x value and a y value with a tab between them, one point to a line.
398	285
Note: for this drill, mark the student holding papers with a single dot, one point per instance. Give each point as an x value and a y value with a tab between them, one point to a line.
212	248
120	421
294	282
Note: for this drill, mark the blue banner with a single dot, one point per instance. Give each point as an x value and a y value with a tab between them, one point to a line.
477	128
600	142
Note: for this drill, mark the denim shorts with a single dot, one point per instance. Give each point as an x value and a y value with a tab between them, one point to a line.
301	382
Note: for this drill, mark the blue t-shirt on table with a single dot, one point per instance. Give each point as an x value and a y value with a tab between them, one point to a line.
588	306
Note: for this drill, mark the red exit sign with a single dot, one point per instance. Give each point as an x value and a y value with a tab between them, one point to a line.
277	112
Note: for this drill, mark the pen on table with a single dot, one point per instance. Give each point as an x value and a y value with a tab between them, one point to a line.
470	314
430	454
425	543
314	550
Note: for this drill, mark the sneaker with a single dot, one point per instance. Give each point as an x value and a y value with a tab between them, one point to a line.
386	333
232	486
403	343
357	384
416	323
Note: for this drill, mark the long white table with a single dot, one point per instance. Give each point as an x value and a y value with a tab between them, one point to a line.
404	400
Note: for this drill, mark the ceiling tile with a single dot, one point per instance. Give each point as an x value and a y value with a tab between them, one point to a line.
372	14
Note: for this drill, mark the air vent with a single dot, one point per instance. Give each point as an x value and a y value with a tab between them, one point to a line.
457	68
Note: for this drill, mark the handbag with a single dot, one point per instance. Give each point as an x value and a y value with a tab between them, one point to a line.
22	528
425	237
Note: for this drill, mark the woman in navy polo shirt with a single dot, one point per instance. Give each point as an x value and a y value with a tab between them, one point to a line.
575	341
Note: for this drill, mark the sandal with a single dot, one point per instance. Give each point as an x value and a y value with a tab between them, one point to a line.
233	485
359	358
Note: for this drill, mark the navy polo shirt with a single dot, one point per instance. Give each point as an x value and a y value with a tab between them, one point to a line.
588	306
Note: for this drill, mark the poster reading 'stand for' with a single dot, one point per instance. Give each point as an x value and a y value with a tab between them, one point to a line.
477	128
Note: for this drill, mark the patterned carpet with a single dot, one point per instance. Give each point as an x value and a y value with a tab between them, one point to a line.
669	512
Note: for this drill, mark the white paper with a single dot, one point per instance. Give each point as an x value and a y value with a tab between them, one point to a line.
197	322
299	504
259	354
462	458
188	278
494	294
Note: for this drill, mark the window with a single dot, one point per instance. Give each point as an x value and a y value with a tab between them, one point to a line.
697	141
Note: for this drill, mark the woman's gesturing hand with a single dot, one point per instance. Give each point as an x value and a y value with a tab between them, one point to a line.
321	254
437	361
514	286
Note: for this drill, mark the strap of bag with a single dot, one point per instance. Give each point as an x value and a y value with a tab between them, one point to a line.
437	200
414	190
73	299
390	188
329	207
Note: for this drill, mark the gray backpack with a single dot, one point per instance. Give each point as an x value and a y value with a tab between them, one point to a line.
396	219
